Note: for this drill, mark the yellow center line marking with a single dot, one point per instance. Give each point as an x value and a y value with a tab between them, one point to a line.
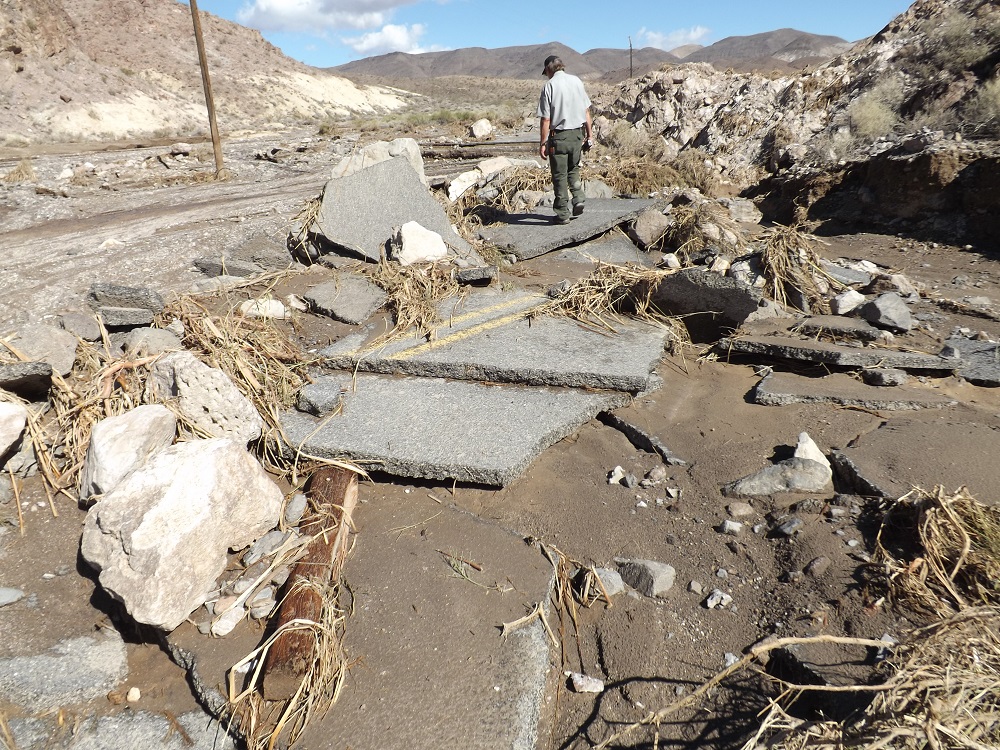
465	333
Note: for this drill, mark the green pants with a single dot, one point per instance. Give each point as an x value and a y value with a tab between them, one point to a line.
565	148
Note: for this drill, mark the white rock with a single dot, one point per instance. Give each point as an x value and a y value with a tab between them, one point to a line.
205	396
492	167
13	420
459	185
160	538
807	448
718	598
66	173
481	128
133	695
264	308
415	244
119	445
844	302
616	476
584	683
225	624
730	528
670	260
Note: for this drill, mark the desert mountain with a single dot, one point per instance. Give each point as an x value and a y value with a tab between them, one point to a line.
775	49
91	69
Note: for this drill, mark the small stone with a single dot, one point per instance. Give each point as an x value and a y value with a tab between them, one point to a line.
789	527
853	543
616	476
133	695
295	508
722	574
792	576
695	587
262	609
887	378
648	577
818	566
740	510
631	481
225	624
730	528
657	474
582	683
730	659
718	598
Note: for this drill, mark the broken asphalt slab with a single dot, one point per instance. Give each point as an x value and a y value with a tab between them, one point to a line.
437	429
822	352
487	337
361	211
614	249
978	361
434	669
782	388
530	235
906	452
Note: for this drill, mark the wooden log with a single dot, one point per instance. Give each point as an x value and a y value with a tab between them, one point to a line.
334	492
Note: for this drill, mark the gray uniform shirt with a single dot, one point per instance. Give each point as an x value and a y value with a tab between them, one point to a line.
564	102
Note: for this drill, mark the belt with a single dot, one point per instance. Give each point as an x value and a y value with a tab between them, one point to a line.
567	130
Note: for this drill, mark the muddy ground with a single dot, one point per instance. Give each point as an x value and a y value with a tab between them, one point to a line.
138	218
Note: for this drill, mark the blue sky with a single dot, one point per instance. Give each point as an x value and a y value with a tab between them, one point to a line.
331	32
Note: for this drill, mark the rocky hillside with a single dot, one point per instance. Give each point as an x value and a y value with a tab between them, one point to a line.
94	69
768	51
917	93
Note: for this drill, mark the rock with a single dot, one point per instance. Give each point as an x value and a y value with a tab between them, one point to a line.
30	379
888	311
119	445
13	421
790	475
649	227
265	546
648	577
412	243
10	595
349	298
265	308
844	302
295	509
116	295
789	527
82	326
125	317
205	396
740	510
44	343
148	342
190	503
742	210
847	275
695	587
380	151
887	377
807	448
582	683
223	266
480	275
718	598
670	260
748	272
817	566
76	670
133	695
657	474
616	475
457	186
730	528
481	128
611	580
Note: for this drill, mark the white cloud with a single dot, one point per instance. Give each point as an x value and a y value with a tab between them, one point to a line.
673	39
317	16
391	38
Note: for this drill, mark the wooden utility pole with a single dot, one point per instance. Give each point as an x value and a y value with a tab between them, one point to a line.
334	494
207	84
629	56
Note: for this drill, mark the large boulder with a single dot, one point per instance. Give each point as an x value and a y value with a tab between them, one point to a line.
160	538
204	396
13	420
119	445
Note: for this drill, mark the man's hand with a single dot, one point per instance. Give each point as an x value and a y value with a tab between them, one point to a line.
543	149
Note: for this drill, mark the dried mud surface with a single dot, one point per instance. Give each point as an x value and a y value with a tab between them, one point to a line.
132	220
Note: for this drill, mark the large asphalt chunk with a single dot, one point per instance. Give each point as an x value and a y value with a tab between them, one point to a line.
783	388
438	429
488	337
534	234
360	211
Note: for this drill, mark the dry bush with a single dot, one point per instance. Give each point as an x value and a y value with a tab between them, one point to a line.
23	172
876	112
792	270
982	113
693	171
687	233
957	41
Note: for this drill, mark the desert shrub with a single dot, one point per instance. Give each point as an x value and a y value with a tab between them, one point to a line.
982	114
876	112
957	41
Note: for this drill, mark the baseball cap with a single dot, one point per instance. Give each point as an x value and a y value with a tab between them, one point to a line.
548	61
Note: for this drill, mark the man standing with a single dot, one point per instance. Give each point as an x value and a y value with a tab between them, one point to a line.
564	126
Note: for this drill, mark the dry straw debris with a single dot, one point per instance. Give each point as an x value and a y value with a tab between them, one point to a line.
792	269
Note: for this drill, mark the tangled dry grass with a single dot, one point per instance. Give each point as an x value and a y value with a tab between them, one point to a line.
23	172
416	296
793	273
